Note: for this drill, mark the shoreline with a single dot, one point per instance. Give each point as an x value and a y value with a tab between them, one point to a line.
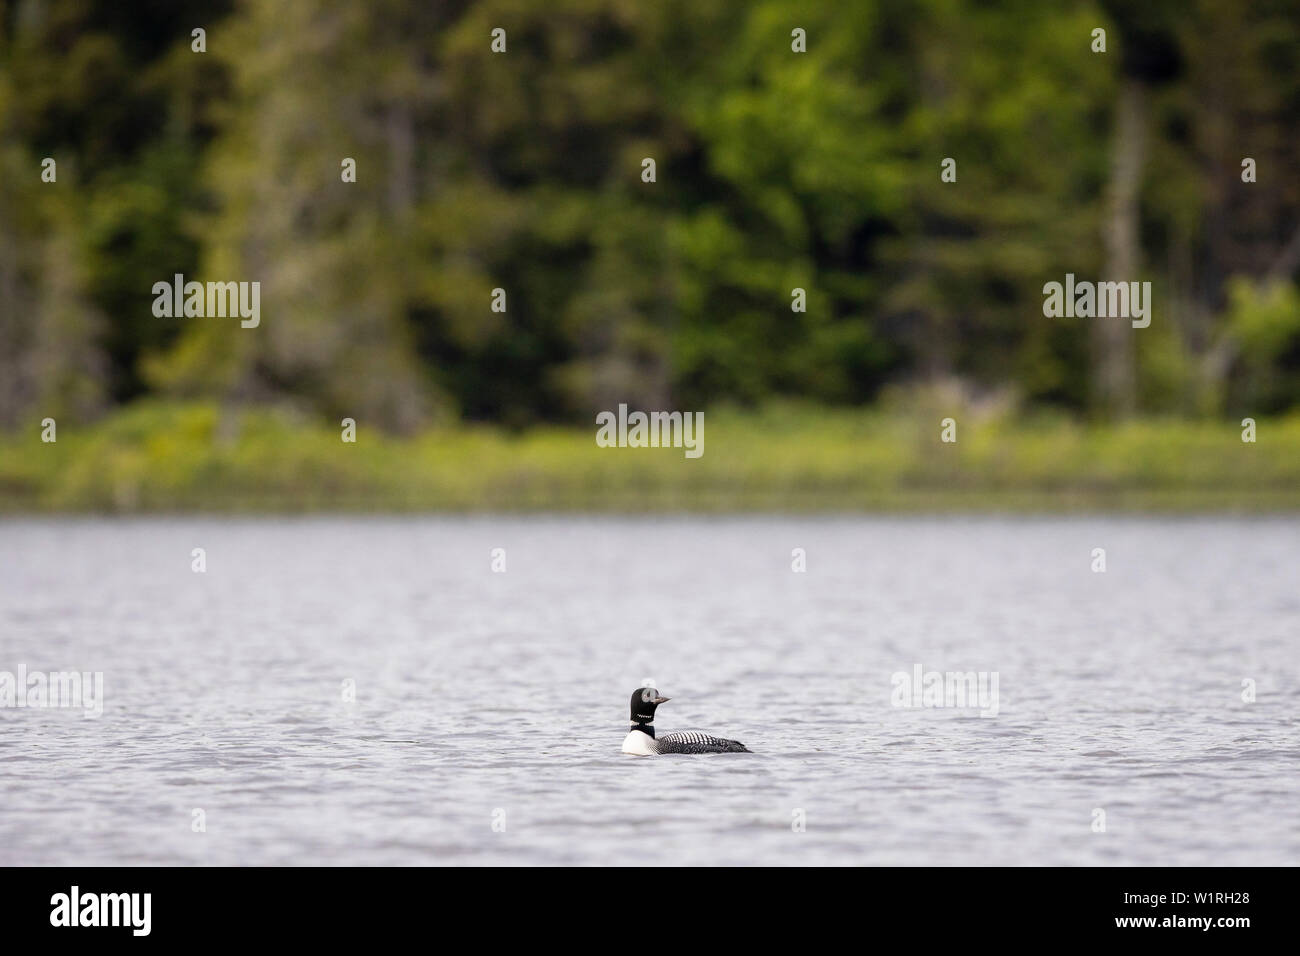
166	458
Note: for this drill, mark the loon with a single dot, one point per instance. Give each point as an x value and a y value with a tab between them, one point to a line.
642	742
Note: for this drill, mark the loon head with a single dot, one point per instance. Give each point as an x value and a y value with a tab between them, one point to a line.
644	702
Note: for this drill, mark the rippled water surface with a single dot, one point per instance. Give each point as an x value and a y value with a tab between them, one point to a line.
486	696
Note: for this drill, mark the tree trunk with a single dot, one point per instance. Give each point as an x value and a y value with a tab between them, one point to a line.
1114	372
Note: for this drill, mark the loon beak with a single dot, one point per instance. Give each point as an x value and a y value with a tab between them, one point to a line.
661	700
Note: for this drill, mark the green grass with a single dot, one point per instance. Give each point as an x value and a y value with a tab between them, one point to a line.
157	457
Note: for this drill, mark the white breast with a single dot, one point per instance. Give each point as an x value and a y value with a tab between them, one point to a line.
639	744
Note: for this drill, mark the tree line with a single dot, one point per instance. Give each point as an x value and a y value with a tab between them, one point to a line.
846	198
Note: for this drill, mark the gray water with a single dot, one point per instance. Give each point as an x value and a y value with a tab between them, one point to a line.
502	698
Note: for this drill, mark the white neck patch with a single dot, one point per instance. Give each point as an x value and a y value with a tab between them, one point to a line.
639	744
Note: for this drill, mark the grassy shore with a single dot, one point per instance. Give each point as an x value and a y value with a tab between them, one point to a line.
192	457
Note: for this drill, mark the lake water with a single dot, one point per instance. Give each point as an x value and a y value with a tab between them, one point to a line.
485	697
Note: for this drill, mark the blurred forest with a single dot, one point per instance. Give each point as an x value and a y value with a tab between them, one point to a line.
522	170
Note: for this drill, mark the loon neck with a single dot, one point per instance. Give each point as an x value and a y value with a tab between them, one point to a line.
647	729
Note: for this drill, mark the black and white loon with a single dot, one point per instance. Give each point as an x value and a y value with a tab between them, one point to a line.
642	742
